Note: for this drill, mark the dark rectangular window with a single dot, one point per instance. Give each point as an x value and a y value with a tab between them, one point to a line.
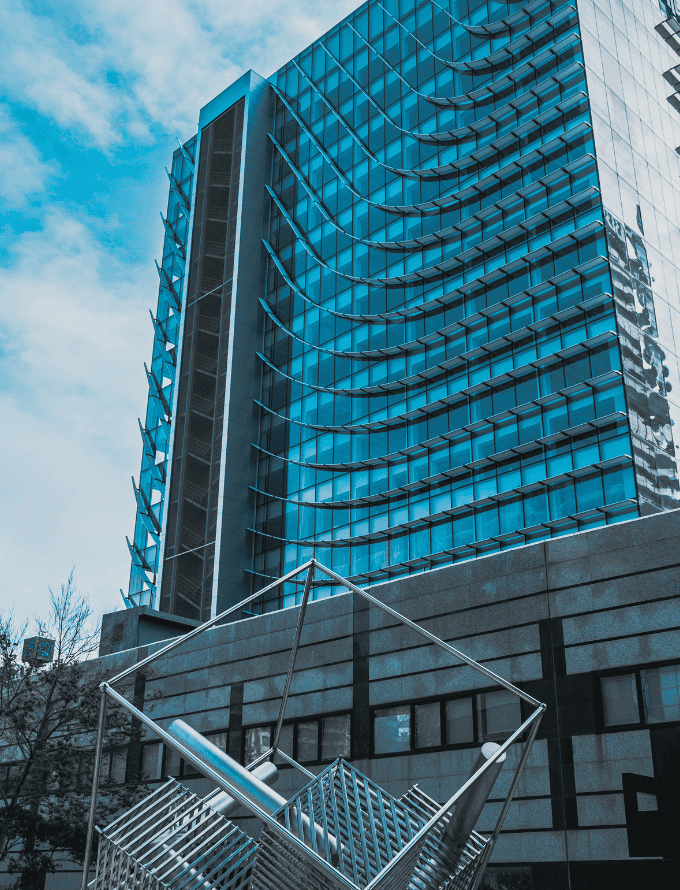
499	714
392	729
306	741
460	723
643	695
464	720
660	689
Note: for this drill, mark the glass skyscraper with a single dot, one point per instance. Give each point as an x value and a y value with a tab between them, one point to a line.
418	299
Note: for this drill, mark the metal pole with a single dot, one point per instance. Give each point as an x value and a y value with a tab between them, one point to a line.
446	808
208	624
293	654
431	637
490	844
95	788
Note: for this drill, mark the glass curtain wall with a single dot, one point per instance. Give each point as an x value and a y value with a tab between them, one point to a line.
441	372
150	491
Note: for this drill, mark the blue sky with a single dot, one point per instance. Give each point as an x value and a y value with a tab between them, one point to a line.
93	96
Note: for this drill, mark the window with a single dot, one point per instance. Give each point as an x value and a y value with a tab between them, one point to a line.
306	741
428	725
620	700
336	740
644	695
257	742
660	688
392	730
172	763
460	724
499	714
455	721
152	758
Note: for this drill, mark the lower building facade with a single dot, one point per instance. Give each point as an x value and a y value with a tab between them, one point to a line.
588	623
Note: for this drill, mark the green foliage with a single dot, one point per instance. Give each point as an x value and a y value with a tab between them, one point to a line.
48	725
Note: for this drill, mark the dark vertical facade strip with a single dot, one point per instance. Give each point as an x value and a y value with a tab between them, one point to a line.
194	485
236	721
134	755
361	712
241	382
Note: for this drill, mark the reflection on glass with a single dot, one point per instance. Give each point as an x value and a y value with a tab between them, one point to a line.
118	763
285	742
219	739
619	700
308	741
336	739
151	761
172	763
661	693
459	721
428	725
257	742
499	714
392	729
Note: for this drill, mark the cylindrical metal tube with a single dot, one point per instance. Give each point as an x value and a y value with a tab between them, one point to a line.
247	784
225	805
469	806
236	775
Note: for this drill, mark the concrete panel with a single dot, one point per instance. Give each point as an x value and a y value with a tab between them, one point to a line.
598	844
599	760
601	809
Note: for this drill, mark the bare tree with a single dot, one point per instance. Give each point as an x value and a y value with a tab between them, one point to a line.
48	724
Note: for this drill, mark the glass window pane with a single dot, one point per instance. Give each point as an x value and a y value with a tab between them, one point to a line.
118	762
619	700
460	726
428	725
172	762
392	729
308	741
219	739
336	740
151	761
257	742
285	742
499	713
660	690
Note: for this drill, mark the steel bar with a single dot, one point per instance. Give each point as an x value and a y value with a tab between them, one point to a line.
208	624
207	771
450	802
95	789
425	633
488	849
293	652
295	764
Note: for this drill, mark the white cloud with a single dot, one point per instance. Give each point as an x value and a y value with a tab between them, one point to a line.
110	70
74	329
23	174
72	383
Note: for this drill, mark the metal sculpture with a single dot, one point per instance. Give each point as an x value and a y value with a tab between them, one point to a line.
340	832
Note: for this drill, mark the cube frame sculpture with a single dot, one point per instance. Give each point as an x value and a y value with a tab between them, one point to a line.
419	852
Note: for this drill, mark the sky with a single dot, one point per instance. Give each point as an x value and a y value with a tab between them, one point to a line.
93	96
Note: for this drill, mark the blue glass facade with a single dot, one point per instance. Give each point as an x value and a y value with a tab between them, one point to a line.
441	369
155	430
458	347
